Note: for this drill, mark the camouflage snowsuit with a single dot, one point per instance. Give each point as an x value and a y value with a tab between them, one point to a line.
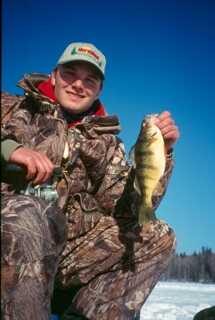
110	262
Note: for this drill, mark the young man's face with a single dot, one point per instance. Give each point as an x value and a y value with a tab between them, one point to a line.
77	86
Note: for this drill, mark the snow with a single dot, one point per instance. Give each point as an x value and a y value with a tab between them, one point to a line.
177	301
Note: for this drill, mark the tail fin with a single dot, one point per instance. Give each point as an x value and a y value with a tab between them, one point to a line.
145	214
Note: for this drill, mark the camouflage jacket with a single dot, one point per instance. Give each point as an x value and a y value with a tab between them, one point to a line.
97	180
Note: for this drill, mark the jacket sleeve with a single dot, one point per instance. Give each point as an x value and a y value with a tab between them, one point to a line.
7	147
117	172
18	127
9	106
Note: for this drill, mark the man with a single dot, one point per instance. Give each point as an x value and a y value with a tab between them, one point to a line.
109	264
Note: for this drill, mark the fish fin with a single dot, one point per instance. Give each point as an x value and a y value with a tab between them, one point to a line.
145	214
136	186
131	157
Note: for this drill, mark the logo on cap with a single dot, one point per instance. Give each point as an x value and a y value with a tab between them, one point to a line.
85	50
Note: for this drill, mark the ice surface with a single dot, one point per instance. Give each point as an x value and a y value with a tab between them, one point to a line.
177	301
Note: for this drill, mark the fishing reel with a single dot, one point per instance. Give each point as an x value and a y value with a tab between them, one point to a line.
44	191
15	175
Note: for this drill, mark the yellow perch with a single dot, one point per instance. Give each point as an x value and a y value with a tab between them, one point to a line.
149	161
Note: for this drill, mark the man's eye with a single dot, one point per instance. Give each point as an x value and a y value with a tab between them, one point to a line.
91	80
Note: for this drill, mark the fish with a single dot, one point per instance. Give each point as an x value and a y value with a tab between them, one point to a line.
149	161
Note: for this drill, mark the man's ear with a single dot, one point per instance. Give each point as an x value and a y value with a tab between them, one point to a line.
53	77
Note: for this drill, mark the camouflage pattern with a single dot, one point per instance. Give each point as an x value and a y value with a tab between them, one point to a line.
119	263
33	236
114	262
9	104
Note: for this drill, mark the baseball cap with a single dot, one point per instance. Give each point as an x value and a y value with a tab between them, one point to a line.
78	51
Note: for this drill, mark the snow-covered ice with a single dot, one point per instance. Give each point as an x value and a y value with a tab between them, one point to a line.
177	301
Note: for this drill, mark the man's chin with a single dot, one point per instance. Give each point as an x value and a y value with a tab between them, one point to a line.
75	109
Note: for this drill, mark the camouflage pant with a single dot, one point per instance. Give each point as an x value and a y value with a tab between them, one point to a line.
114	266
33	236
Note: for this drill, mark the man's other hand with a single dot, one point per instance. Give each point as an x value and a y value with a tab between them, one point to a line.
39	167
169	130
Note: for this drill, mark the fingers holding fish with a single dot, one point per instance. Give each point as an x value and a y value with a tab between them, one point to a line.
171	132
165	123
164	119
164	114
167	126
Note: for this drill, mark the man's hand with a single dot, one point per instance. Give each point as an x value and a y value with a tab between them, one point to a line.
168	129
39	167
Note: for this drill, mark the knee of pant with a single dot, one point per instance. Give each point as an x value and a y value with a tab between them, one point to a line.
27	233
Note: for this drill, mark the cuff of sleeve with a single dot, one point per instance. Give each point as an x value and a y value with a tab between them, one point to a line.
7	147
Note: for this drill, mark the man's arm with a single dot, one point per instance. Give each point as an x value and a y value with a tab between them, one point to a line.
7	147
17	133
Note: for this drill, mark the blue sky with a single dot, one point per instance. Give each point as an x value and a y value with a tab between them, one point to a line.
160	56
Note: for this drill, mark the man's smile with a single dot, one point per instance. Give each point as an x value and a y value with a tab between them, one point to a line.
75	94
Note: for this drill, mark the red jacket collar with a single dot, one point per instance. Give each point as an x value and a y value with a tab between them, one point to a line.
47	89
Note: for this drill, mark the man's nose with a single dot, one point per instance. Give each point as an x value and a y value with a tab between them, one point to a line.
78	83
